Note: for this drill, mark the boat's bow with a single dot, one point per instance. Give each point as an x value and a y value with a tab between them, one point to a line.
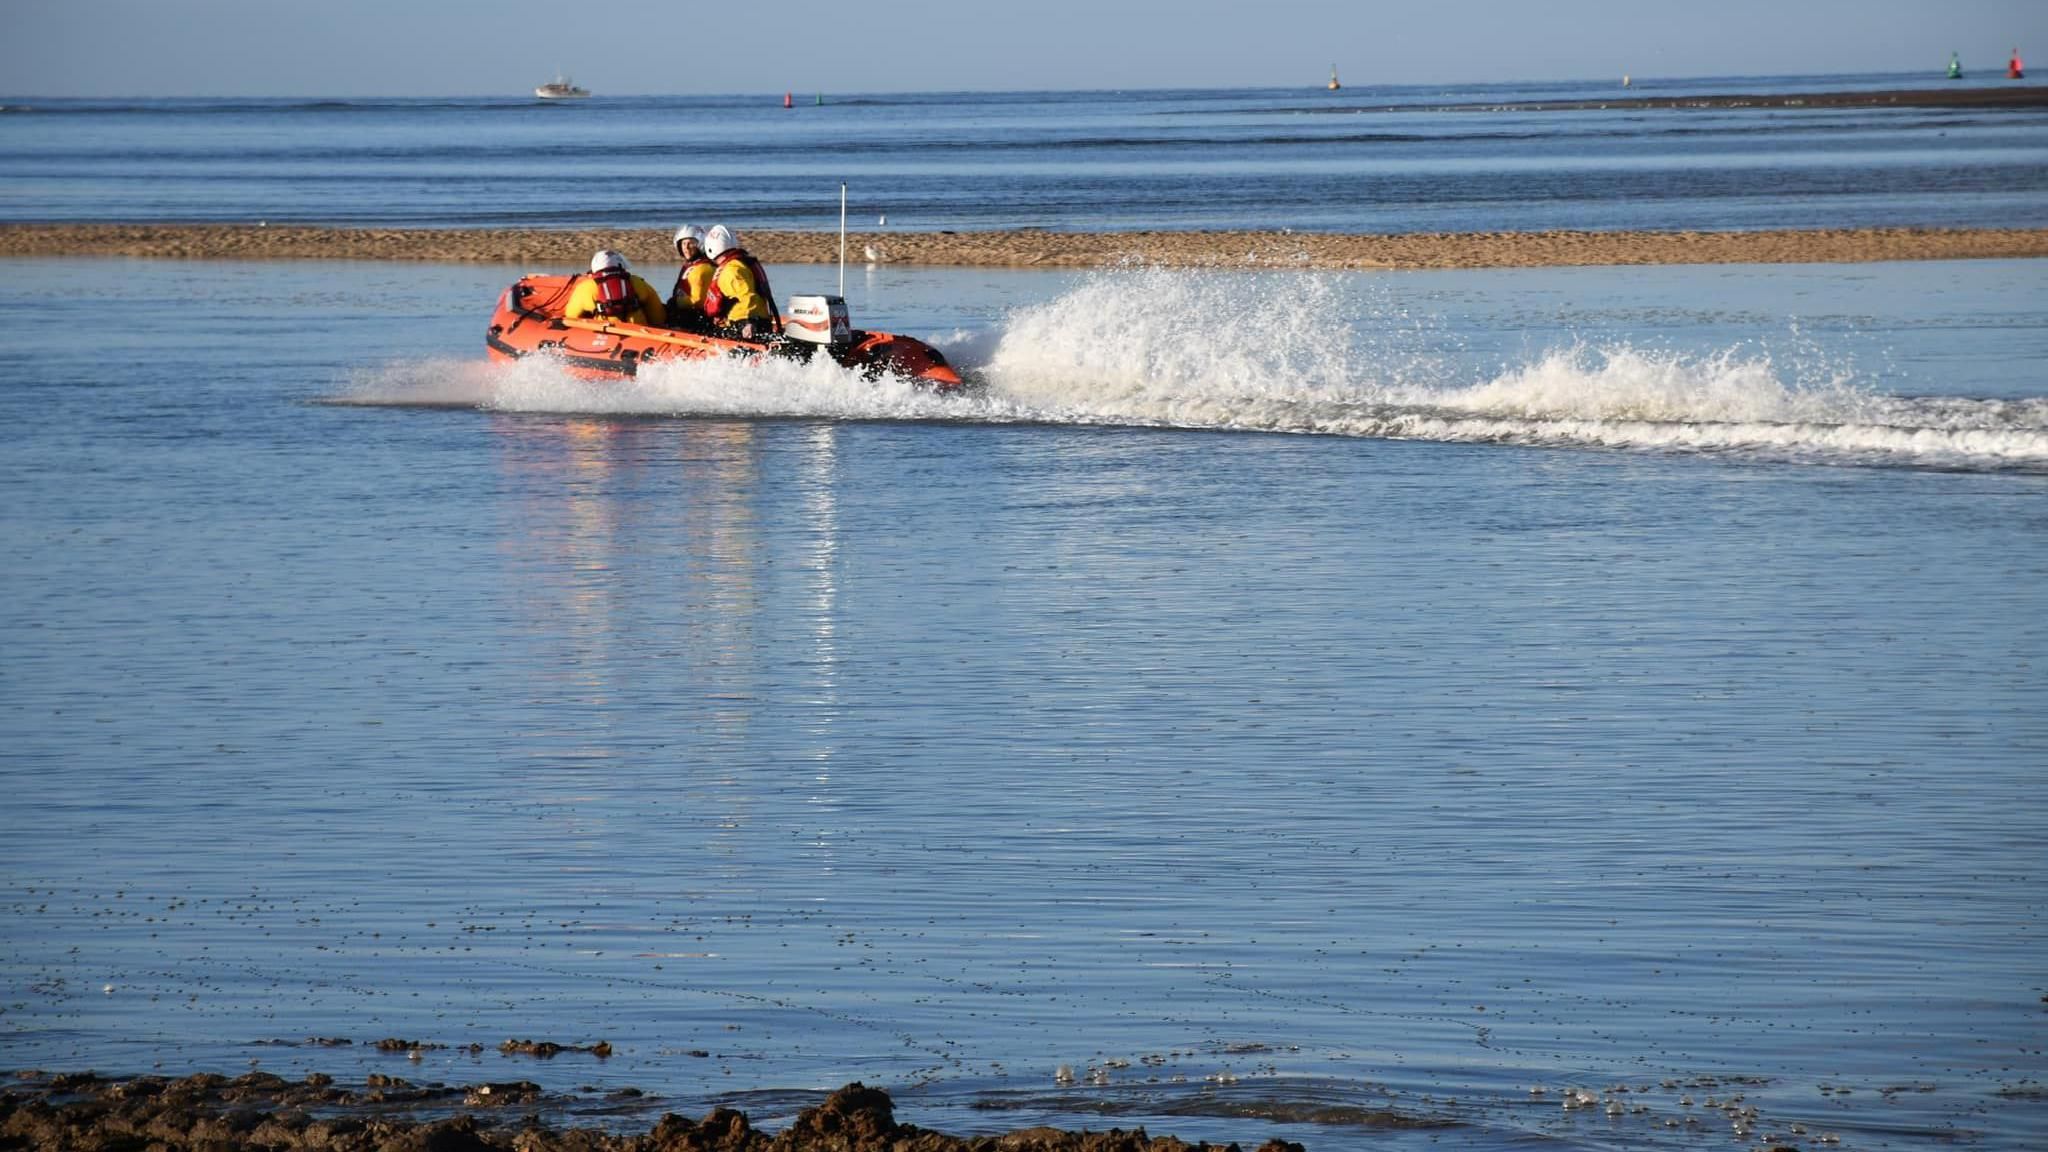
904	356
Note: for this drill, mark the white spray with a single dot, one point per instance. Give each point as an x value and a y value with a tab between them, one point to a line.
1292	352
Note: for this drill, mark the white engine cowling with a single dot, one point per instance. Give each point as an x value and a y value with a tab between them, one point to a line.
818	319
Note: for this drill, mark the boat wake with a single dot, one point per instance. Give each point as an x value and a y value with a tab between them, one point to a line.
702	388
1294	353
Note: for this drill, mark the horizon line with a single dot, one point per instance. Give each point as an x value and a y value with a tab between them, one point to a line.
1933	72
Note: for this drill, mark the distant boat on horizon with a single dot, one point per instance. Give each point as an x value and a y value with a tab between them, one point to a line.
561	89
1333	79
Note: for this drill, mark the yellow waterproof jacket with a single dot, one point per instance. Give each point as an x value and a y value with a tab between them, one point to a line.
734	282
647	307
691	285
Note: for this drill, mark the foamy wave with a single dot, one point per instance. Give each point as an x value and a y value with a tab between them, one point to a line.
722	388
538	384
1297	353
422	384
1728	402
1129	340
1625	384
1817	442
1271	352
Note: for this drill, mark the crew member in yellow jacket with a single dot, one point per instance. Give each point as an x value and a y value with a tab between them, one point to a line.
611	292
686	301
739	302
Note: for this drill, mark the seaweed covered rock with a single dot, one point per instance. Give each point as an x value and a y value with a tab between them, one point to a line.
855	1117
724	1130
261	1112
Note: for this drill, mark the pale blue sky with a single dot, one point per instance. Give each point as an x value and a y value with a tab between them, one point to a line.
474	47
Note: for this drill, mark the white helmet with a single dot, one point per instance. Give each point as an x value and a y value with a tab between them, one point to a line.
718	240
606	258
688	232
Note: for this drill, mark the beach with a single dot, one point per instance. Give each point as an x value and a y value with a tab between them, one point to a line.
1038	249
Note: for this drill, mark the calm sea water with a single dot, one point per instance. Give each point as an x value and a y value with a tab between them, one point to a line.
1623	678
1366	158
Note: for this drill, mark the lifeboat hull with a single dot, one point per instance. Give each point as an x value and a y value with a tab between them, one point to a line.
529	322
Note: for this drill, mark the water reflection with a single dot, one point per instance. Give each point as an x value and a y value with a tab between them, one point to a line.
817	471
621	536
579	530
648	594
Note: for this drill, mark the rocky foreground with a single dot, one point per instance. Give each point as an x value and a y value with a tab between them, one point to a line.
210	1113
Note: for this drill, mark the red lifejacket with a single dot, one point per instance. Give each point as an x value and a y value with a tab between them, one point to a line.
615	295
716	305
682	288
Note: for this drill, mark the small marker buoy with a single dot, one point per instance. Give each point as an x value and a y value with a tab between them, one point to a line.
789	99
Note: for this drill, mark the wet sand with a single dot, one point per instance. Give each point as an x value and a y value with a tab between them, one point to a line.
210	1113
563	250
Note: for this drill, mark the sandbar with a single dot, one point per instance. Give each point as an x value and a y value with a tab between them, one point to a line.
2012	96
567	250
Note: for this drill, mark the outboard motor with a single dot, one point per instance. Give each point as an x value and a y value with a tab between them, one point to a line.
814	323
818	320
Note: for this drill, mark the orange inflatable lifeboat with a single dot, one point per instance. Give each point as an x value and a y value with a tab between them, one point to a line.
529	322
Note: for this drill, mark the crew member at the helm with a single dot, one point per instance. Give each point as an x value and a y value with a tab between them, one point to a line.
739	302
686	302
611	292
